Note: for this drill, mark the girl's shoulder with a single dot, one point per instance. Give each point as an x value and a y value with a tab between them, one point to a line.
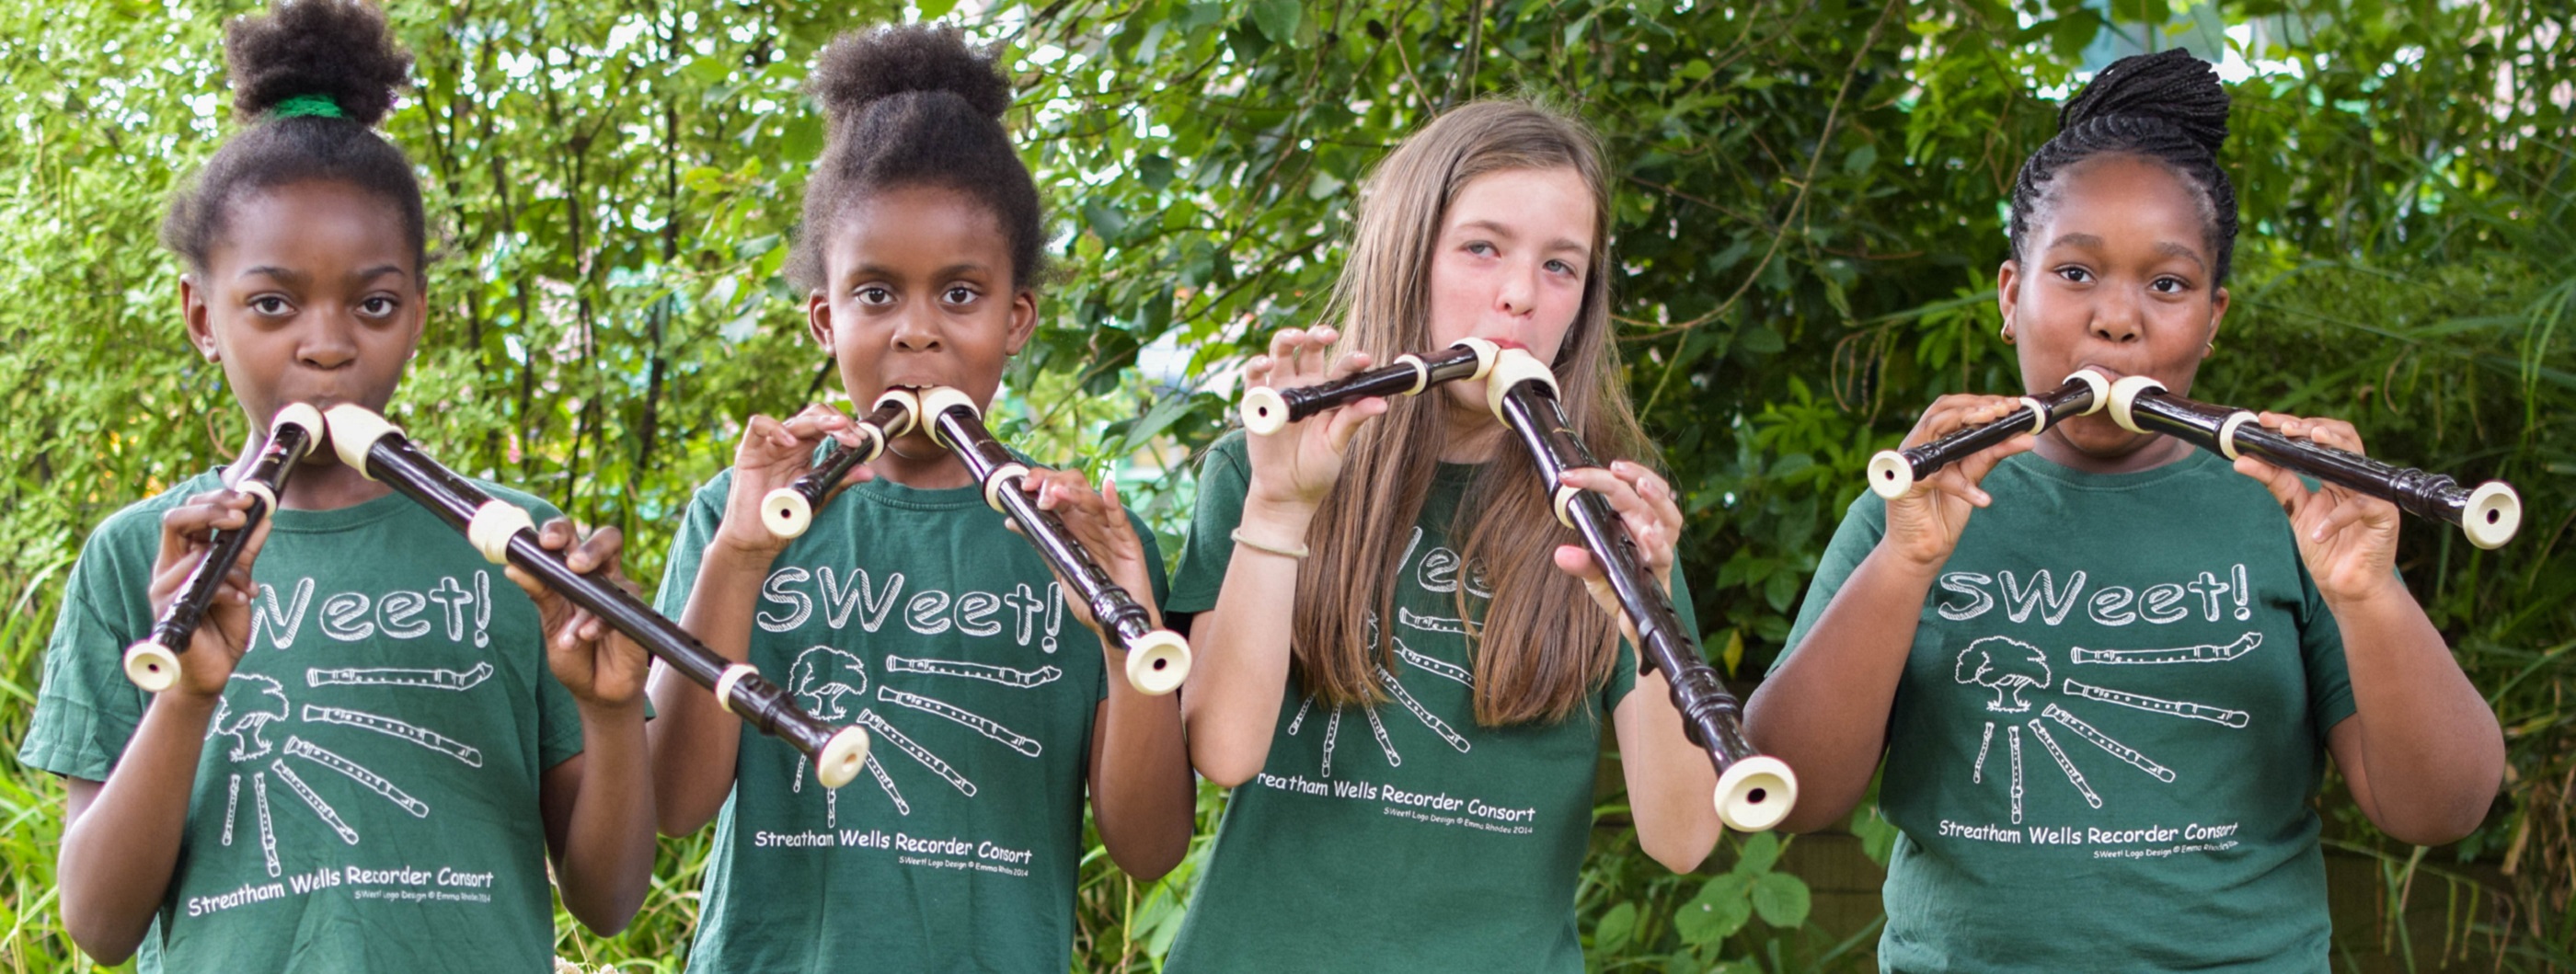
143	517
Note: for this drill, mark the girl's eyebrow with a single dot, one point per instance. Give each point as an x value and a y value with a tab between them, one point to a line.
280	273
1558	245
2172	249
296	277
2165	247
952	270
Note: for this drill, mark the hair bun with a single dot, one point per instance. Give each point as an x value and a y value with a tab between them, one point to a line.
337	49
860	69
2170	86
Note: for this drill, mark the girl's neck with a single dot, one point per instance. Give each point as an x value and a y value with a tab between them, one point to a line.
1468	434
320	483
914	461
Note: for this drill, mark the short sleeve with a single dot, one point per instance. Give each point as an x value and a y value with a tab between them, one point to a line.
1225	478
86	710
2321	649
689	546
1863	524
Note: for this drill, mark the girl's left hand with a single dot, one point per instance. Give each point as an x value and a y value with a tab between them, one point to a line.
1096	521
599	665
2347	538
1644	503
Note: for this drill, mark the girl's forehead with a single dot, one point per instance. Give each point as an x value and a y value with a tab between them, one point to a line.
2116	198
316	220
918	221
1554	201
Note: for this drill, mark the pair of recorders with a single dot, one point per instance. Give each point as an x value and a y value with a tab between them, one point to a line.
1158	659
1754	791
505	534
2489	514
153	662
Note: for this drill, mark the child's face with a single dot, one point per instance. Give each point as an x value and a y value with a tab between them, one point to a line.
312	294
1514	251
920	294
2118	275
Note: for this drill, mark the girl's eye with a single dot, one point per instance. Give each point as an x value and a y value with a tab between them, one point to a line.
2075	275
1564	268
2169	285
377	306
960	294
1481	248
269	304
875	294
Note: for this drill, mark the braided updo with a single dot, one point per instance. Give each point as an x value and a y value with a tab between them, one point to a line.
336	54
2167	107
914	106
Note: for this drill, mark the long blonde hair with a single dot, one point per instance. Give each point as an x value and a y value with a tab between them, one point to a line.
1541	645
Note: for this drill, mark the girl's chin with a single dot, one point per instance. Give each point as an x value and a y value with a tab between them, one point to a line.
2098	438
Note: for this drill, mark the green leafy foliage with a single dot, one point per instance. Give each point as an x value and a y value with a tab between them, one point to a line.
1808	223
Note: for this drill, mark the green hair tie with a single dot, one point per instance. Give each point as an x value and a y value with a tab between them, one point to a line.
315	106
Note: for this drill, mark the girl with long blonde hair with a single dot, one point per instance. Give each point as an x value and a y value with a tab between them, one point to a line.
1403	669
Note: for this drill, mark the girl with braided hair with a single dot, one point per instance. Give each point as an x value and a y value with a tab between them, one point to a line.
372	776
2104	668
996	712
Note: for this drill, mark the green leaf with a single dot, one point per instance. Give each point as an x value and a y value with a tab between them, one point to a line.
1277	20
1722	907
1154	172
802	140
1761	849
935	9
1781	899
1614	928
1860	158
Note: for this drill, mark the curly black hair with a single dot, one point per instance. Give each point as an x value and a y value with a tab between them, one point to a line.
914	106
339	50
2167	107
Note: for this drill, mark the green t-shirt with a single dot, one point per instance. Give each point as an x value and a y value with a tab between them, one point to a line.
917	615
1404	836
389	819
2103	748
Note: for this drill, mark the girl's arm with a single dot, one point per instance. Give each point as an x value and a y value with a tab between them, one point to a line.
2419	731
120	841
1825	710
1231	704
598	804
1141	795
1670	782
694	741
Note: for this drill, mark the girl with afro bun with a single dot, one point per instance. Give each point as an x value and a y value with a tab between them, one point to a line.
906	606
2105	669
372	753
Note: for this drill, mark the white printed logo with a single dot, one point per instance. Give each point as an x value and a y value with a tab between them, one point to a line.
257	700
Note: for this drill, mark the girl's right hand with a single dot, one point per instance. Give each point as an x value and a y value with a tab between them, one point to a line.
1923	525
1294	468
186	534
772	455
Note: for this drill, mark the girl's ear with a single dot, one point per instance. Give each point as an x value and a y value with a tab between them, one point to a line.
2217	315
818	319
2008	294
192	309
1024	319
419	314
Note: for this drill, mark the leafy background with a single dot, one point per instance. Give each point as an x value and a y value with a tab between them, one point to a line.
1809	217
